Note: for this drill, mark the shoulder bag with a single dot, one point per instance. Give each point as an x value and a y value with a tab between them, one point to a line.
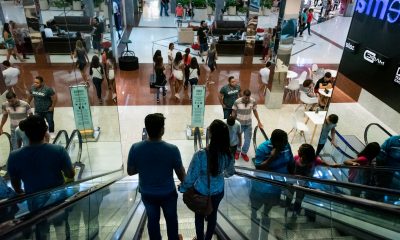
196	202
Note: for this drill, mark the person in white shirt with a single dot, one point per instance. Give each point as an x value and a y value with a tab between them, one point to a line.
264	75
10	75
116	18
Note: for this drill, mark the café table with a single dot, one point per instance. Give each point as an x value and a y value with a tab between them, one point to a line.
316	119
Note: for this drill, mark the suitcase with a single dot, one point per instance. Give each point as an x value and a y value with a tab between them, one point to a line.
128	61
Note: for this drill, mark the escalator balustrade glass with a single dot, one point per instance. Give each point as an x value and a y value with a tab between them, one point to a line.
5	149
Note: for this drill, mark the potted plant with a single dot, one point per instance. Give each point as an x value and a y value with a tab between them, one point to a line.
210	6
231	5
76	5
266	6
62	4
242	10
199	10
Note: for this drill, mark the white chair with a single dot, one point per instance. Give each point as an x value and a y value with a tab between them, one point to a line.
298	124
306	100
302	77
314	67
293	88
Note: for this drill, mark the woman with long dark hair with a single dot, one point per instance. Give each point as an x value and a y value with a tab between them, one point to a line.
96	71
186	60
81	59
9	43
178	69
111	66
161	79
193	75
156	54
217	161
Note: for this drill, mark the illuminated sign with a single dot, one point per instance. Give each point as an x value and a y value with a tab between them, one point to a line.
386	10
374	58
397	76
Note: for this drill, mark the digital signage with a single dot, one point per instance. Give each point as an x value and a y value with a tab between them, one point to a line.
371	53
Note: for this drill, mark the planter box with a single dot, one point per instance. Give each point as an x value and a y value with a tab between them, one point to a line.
210	10
232	10
44	4
76	5
241	13
266	11
200	14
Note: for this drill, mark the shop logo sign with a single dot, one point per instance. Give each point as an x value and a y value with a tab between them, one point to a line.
397	77
385	10
373	58
351	45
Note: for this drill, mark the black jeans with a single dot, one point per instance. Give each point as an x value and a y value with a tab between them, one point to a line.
49	116
211	219
227	112
97	84
319	148
192	81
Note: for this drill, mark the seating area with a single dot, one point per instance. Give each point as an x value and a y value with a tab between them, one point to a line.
73	23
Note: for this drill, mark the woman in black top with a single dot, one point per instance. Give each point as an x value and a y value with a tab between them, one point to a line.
96	72
161	79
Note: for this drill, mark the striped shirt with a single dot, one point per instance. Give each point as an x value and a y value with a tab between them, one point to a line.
243	111
16	113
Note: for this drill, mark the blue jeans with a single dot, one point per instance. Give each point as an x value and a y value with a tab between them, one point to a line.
227	112
168	203
203	47
14	145
248	132
165	7
211	219
159	90
49	119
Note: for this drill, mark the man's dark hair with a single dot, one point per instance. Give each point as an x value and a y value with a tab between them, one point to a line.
231	120
247	93
35	128
268	64
154	124
328	75
10	95
201	23
39	78
230	78
279	139
7	63
307	153
333	118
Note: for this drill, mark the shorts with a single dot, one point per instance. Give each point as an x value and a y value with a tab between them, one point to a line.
203	47
212	67
81	65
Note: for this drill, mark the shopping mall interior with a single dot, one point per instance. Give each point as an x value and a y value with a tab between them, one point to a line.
354	41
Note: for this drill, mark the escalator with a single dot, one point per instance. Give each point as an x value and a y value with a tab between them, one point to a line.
255	206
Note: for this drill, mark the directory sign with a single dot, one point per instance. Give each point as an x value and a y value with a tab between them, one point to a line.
81	108
371	57
198	106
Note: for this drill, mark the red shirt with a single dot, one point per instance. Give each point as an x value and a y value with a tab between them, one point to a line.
179	11
309	17
363	161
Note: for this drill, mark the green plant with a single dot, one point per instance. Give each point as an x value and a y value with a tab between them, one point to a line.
97	3
61	3
211	3
199	3
183	2
230	3
243	9
267	3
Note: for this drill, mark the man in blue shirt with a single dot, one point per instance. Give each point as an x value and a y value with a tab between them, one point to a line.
155	161
39	166
273	155
329	127
388	157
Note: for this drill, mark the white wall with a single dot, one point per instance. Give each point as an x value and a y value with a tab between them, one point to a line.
382	111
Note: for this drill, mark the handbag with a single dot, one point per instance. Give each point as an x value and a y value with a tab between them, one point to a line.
196	202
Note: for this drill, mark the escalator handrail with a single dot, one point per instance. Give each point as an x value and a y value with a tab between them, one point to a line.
32	218
374	124
256	128
61	132
346	143
78	133
354	201
24	197
198	144
347	185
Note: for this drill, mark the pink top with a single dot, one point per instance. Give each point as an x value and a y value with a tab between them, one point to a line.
363	161
179	11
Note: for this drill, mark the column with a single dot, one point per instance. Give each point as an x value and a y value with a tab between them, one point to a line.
129	10
219	5
286	30
88	10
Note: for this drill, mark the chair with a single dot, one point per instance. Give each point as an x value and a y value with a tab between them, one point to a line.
293	88
314	67
298	124
306	100
302	77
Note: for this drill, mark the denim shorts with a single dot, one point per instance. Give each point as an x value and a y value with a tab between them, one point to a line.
203	47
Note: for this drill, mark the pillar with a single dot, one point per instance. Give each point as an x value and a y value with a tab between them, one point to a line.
88	10
129	11
219	5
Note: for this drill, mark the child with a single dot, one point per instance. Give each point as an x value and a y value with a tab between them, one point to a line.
303	165
364	158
